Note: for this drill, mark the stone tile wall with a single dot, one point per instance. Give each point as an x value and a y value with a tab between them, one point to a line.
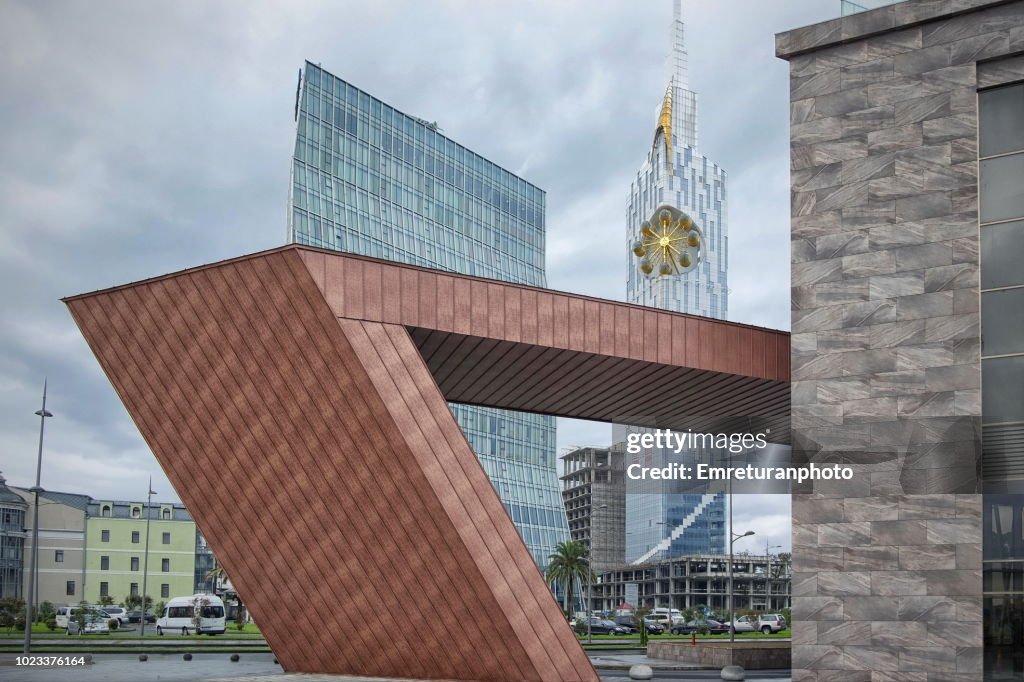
886	340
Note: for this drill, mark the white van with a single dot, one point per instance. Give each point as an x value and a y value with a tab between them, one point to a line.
199	614
667	616
65	614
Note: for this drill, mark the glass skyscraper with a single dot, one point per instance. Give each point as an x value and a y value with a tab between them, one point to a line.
676	173
371	180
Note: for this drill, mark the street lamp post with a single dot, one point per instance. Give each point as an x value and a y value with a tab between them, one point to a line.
42	414
590	570
768	575
732	541
145	558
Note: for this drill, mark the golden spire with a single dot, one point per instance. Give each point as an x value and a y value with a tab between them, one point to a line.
665	124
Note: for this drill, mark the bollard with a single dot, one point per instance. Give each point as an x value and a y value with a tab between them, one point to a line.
641	672
693	638
733	672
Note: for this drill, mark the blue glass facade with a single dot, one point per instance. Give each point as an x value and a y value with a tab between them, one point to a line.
675	173
371	180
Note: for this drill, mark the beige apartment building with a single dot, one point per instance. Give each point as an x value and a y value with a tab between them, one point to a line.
61	546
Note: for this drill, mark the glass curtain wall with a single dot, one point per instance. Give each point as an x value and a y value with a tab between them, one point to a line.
1001	213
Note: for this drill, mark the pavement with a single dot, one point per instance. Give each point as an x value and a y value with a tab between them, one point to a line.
214	667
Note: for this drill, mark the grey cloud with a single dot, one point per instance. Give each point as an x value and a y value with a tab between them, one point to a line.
141	138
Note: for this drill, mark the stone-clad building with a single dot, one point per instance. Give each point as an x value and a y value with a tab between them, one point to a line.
896	274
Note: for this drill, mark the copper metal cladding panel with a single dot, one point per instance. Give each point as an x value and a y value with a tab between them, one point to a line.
296	400
517	347
321	462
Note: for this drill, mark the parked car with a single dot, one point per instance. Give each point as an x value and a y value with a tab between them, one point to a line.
653	628
626	622
600	626
770	623
710	626
199	614
744	624
136	617
118	612
62	615
95	623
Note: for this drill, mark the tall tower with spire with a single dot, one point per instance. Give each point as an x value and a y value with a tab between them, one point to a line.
675	172
659	524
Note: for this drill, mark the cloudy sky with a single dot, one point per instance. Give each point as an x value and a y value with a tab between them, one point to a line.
140	138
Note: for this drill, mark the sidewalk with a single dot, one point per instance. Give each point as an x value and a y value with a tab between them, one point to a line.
216	667
626	661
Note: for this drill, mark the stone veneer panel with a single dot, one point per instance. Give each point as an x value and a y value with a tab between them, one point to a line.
886	339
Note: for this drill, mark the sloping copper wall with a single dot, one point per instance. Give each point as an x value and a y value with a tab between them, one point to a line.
315	449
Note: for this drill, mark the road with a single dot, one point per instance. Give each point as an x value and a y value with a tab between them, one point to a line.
251	668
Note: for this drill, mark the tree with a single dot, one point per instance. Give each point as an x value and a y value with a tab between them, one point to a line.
218	575
134	601
640	614
45	612
568	565
106	600
12	610
81	616
780	566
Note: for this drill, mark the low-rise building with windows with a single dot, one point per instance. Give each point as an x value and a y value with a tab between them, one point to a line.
116	551
61	572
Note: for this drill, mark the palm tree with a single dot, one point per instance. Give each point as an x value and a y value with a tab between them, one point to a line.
569	564
217	574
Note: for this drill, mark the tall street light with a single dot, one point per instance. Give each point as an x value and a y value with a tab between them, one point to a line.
42	414
590	570
768	582
732	601
145	559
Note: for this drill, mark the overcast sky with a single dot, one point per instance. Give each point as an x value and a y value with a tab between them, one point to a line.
139	138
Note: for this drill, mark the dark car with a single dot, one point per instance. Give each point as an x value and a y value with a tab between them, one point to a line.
626	622
710	626
599	626
136	617
653	628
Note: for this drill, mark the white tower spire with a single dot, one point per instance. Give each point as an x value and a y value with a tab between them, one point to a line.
676	69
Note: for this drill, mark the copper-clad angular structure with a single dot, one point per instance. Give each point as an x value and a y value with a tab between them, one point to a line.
296	399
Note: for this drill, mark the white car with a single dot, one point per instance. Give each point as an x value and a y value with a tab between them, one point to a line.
95	623
118	612
744	624
770	623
